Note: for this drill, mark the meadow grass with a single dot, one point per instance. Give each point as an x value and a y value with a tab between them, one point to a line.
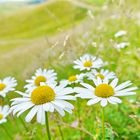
122	121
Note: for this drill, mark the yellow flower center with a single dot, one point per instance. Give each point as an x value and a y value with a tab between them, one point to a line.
104	91
100	76
72	78
2	86
87	64
39	79
42	95
1	116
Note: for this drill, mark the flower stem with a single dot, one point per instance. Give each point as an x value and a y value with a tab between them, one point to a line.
8	134
103	125
47	126
60	130
78	115
24	125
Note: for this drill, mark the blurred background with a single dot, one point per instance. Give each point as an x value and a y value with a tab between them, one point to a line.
53	33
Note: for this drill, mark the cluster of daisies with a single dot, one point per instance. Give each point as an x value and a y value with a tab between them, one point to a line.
44	93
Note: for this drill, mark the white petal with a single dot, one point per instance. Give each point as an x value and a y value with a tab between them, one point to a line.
110	101
123	85
87	86
31	114
39	114
103	102
68	110
93	101
114	83
51	109
125	94
99	81
59	110
85	96
68	97
82	90
126	90
46	107
23	94
115	99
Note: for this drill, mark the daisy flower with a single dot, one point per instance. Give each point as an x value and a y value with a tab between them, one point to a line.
104	92
4	111
120	33
102	74
88	62
73	79
41	75
43	99
6	85
122	45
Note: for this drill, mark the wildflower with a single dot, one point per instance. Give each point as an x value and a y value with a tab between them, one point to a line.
88	62
41	75
4	111
120	33
104	92
6	85
102	74
122	45
43	99
73	79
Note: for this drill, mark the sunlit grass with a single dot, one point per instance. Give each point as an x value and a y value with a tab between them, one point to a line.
42	20
122	121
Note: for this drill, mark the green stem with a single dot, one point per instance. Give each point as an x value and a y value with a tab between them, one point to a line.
8	134
78	111
60	130
103	125
24	125
47	126
78	115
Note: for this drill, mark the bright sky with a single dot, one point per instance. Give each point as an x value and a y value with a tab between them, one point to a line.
18	0
13	0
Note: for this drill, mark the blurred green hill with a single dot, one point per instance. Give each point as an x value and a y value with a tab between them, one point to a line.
39	20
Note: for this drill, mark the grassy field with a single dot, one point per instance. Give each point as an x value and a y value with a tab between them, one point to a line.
52	35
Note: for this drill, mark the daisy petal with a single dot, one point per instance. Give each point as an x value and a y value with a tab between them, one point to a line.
93	101
103	102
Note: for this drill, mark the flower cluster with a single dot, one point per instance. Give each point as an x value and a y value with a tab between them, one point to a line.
104	88
6	85
44	93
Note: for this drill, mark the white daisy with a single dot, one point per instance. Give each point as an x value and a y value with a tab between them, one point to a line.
43	99
120	33
122	45
73	79
41	75
104	92
6	85
102	74
88	62
4	111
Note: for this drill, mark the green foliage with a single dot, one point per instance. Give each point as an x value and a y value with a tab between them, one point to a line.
30	49
42	20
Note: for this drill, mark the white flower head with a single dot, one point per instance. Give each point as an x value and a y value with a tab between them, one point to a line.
88	62
41	75
104	92
102	74
4	111
120	33
6	85
43	99
122	45
73	79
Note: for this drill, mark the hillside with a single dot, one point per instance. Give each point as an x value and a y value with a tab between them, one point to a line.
53	35
40	20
